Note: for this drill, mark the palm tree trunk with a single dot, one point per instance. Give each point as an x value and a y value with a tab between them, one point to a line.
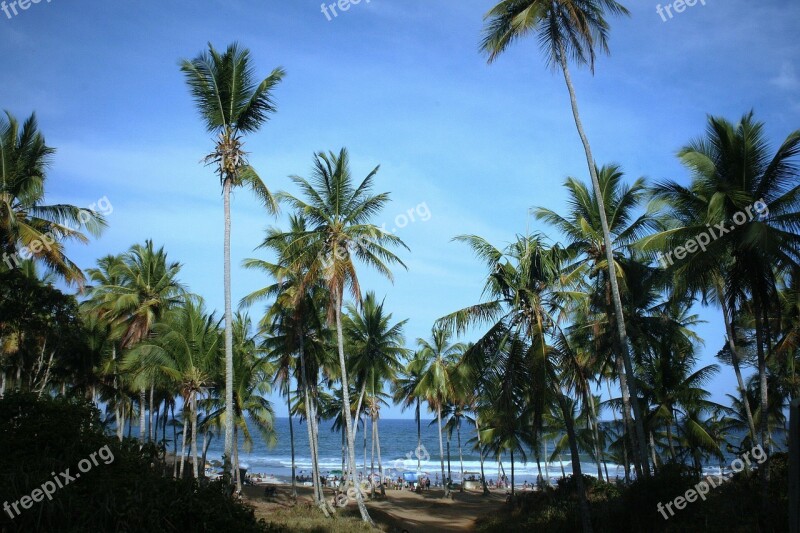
351	444
546	465
372	459
195	471
612	269
183	443
319	496
207	438
365	446
596	435
735	361
764	399
449	472
419	437
586	519
480	454
150	430
512	471
630	431
229	426
460	454
441	451
380	463
237	468
291	441
626	462
539	466
142	414
174	444
669	438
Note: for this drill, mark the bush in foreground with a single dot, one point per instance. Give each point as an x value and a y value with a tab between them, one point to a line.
122	488
731	507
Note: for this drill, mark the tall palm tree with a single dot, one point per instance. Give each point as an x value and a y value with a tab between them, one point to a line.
296	326
232	103
569	30
583	228
435	384
339	213
28	226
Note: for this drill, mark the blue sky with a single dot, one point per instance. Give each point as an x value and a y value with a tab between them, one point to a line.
400	83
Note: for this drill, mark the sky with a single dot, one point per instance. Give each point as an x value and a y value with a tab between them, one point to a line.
465	146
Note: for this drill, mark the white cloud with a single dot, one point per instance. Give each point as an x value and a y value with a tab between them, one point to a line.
788	79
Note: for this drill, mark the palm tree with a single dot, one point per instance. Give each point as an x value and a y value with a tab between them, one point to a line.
27	225
583	229
296	327
376	349
524	305
405	386
569	29
145	288
435	385
736	177
231	104
184	350
339	212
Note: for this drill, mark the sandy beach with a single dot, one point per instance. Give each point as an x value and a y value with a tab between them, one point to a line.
400	511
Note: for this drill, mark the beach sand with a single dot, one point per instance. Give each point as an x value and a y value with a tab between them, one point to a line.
400	511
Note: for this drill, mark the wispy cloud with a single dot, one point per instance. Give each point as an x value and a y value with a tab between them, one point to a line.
788	80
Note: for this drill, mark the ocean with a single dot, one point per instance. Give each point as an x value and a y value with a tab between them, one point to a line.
398	453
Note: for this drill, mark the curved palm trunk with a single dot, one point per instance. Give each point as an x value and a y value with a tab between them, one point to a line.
194	435
586	519
441	452
351	444
226	196
729	330
612	270
291	440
